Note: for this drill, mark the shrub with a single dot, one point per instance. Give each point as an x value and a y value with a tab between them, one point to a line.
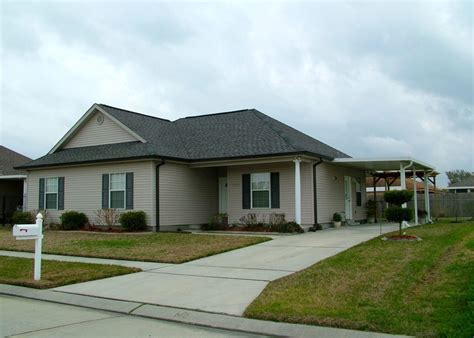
133	220
276	219
216	222
22	217
336	217
287	227
396	213
249	220
398	197
73	220
109	217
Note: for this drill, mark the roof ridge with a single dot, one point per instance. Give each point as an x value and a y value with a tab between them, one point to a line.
255	111
220	113
134	112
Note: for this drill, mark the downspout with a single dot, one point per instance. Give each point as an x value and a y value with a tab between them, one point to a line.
315	194
157	197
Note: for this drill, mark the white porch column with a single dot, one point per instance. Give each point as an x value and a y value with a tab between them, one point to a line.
25	189
415	198
403	182
427	197
297	190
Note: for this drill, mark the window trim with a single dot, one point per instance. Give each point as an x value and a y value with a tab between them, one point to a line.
269	191
51	193
124	190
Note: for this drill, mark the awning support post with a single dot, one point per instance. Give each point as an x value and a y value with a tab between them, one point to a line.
415	197
297	190
427	197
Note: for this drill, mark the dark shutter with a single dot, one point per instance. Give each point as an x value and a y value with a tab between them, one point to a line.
246	191
105	191
275	189
41	194
60	193
129	191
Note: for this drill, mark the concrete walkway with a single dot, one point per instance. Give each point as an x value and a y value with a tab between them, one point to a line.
227	283
145	266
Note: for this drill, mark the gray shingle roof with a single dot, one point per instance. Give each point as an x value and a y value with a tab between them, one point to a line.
10	159
467	182
237	134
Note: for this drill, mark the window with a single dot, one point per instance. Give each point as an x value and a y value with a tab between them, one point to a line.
260	188
117	191
51	193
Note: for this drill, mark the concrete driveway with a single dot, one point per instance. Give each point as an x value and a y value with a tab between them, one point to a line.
228	282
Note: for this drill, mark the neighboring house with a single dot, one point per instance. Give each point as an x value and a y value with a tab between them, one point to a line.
12	183
381	186
184	172
464	186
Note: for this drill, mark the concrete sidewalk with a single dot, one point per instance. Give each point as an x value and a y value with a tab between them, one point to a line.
227	283
132	264
32	318
112	310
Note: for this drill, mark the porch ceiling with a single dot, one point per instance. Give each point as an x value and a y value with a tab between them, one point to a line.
384	164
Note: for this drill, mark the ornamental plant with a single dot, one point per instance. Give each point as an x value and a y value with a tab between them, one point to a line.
395	212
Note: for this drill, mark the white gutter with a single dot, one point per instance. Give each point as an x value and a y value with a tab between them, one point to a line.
9	177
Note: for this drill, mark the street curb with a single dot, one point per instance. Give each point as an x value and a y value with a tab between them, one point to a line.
192	317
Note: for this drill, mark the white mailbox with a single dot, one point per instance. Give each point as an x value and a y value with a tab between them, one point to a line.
32	231
26	231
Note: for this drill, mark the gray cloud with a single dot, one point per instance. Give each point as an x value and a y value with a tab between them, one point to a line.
370	79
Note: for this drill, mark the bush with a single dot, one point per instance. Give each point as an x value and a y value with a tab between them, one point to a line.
249	220
337	217
398	214
287	227
276	219
73	220
22	217
398	197
133	220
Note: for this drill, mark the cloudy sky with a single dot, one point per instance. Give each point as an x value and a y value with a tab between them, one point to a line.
373	79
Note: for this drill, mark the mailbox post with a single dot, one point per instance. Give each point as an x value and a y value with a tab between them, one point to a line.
32	231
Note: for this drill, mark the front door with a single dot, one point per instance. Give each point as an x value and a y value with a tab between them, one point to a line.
223	195
348	196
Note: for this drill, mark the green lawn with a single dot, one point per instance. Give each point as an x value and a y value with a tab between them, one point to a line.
423	288
19	271
152	247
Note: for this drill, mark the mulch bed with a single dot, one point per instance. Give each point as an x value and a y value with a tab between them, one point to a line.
402	238
92	228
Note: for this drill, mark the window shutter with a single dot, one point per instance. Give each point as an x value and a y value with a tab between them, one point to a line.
246	191
60	193
275	190
129	191
105	191
41	194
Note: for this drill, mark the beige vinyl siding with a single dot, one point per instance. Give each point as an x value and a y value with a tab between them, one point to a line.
187	196
330	188
91	133
287	191
83	188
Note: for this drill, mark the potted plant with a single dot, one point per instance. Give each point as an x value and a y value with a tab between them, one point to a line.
336	218
371	210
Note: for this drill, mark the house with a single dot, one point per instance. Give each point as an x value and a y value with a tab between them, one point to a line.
464	186
185	171
394	184
12	183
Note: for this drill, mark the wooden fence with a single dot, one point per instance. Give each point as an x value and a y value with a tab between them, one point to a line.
442	205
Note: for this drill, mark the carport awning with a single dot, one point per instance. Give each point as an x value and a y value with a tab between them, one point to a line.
385	164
